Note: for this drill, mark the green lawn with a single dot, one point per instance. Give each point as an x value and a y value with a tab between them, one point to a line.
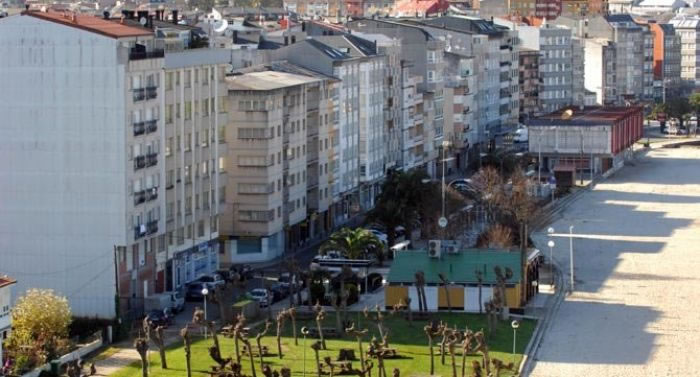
410	342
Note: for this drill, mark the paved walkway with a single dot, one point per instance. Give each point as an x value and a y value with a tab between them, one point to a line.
634	308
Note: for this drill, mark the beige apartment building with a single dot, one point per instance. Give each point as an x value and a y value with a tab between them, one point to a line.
281	141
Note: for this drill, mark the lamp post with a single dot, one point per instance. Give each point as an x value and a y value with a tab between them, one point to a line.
515	324
205	292
304	331
551	264
571	254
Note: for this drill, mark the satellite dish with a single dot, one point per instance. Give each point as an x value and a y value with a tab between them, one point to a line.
220	26
568	113
143	21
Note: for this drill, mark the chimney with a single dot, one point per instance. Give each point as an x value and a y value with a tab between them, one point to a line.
175	16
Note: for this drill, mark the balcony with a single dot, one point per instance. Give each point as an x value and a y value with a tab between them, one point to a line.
139	128
139	162
140	54
152	227
151	194
139	231
139	94
151	125
151	92
139	197
151	159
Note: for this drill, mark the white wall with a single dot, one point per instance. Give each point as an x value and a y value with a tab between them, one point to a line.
62	161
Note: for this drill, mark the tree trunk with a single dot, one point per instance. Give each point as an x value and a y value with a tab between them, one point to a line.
454	364
252	359
443	344
425	300
523	259
464	362
420	298
236	335
480	299
141	346
362	352
318	361
319	325
186	341
447	297
279	338
160	342
293	315
432	356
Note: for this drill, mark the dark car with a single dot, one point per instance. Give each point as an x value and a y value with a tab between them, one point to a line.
194	292
279	292
158	318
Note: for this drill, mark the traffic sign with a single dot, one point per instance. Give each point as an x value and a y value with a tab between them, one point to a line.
442	222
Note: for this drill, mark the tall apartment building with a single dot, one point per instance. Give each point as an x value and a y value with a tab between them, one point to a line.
372	128
548	9
688	27
625	73
667	62
423	56
620	6
413	128
555	62
278	161
96	110
529	83
583	7
319	57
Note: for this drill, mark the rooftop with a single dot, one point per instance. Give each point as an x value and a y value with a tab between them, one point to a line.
266	80
91	23
6	281
457	268
349	44
590	115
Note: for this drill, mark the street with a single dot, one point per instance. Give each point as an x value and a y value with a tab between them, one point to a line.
634	308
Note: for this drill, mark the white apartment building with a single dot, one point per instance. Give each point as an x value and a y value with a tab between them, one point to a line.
688	28
413	135
88	94
5	309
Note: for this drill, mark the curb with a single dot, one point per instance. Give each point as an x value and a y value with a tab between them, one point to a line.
542	325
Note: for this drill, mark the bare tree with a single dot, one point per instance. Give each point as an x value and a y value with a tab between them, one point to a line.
499	236
141	345
432	330
420	283
502	276
489	184
451	342
380	351
335	302
479	282
237	330
358	334
320	316
499	365
446	333
280	326
184	333
407	304
482	347
316	346
246	342
258	339
466	348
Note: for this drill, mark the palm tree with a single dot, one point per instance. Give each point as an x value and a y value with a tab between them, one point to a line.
353	243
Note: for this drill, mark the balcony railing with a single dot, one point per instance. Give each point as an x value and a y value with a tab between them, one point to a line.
139	162
139	197
139	94
151	125
139	128
151	92
151	159
151	194
134	54
152	227
139	231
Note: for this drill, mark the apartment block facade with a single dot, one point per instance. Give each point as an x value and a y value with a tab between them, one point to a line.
529	83
688	27
109	191
667	62
279	147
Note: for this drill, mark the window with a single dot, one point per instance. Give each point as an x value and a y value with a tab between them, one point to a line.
188	79
188	142
169	81
259	161
205	107
169	147
168	114
188	110
254	133
256	216
222	165
255	188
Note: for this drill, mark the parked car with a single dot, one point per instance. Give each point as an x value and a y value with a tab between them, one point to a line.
158	318
211	281
260	295
520	135
166	300
194	291
279	292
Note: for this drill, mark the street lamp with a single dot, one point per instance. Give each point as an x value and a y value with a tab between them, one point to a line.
571	254
551	261
305	332
515	324
205	292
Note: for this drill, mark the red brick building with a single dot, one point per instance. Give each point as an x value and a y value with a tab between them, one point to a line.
593	139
